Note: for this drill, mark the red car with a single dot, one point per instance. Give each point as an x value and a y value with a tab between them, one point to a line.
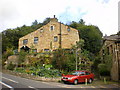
78	76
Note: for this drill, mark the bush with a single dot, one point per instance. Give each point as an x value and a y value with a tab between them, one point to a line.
11	66
103	70
20	69
48	73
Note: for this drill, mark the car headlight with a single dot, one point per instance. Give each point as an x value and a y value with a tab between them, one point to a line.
69	78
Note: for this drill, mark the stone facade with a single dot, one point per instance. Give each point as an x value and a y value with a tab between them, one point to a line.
50	37
112	44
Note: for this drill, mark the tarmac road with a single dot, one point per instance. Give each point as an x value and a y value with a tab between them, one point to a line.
10	82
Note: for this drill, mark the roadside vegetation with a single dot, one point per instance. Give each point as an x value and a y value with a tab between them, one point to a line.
53	64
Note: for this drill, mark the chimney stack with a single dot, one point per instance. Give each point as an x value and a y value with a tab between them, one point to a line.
54	19
54	16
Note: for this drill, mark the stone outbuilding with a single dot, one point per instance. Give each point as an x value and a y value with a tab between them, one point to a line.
112	44
49	37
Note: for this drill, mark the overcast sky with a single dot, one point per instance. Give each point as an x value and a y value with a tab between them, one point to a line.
102	13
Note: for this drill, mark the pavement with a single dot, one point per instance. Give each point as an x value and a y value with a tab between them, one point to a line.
11	82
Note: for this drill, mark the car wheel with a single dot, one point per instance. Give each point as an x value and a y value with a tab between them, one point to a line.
76	82
90	80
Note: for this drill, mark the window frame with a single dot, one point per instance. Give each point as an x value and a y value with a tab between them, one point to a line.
35	40
25	41
55	38
51	27
34	50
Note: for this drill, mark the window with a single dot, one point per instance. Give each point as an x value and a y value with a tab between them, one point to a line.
87	73
25	41
46	50
51	27
82	73
55	39
34	50
35	40
68	29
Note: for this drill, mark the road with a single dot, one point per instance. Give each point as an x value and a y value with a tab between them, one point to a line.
11	82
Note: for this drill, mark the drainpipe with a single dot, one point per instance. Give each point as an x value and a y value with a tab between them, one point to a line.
60	38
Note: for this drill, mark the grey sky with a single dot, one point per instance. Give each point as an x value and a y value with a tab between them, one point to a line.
102	13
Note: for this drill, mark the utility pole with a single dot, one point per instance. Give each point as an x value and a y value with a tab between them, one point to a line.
76	59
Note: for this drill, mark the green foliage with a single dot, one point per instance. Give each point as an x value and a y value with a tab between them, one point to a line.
40	71
19	69
8	53
10	66
10	37
58	60
91	35
22	56
48	73
106	63
63	60
103	70
83	56
47	20
35	23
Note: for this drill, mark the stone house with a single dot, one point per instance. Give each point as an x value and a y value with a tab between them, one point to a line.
112	44
49	37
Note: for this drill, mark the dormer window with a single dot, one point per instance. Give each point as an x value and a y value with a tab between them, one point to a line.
51	27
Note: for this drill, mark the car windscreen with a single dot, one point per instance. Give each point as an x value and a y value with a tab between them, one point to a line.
76	73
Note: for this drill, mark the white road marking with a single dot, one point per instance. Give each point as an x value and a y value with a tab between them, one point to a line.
30	87
116	85
6	85
10	80
103	87
45	82
92	86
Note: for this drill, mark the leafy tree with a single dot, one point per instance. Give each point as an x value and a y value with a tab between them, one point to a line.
106	63
92	36
82	22
22	56
46	21
58	60
10	37
82	56
8	53
35	22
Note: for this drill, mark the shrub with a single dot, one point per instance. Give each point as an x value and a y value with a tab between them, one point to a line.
11	66
103	70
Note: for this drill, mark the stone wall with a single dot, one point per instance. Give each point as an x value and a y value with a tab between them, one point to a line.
46	37
113	48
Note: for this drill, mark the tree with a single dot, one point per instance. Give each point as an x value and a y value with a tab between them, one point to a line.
93	38
106	63
35	23
83	61
22	57
63	60
82	22
46	21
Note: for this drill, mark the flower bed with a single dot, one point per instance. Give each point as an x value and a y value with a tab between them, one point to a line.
29	76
